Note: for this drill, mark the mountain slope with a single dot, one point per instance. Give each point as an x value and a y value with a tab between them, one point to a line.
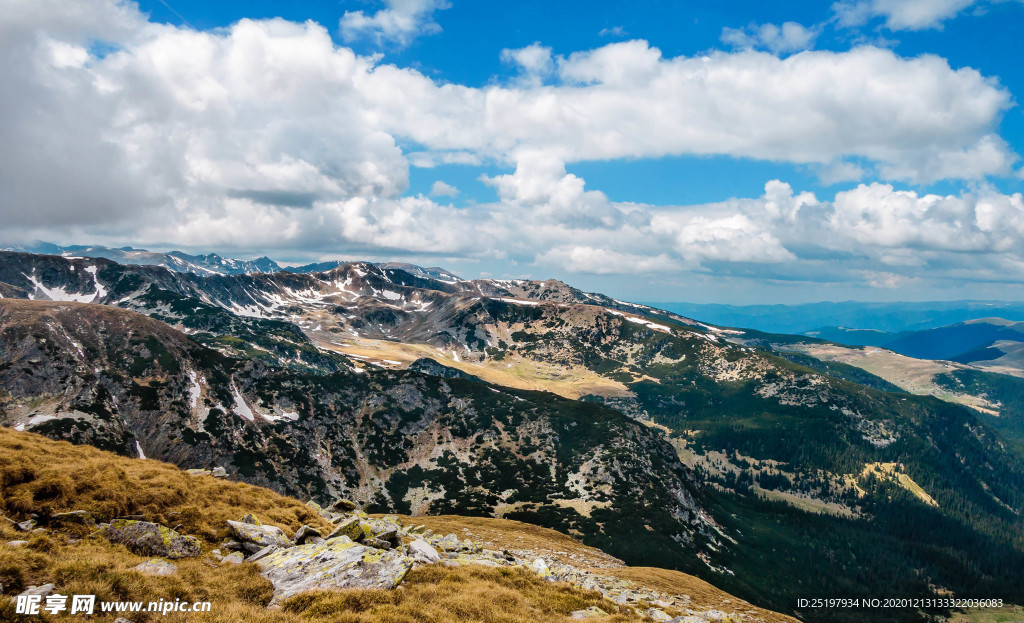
797	461
34	478
393	440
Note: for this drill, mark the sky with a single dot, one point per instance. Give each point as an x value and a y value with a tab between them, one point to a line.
705	151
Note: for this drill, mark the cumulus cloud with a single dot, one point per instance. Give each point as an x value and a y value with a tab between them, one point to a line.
399	22
441	189
266	135
909	118
902	14
535	63
787	38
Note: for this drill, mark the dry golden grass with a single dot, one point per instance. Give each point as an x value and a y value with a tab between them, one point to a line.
43	476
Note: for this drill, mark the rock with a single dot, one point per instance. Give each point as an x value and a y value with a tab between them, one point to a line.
657	615
715	615
590	613
251	519
318	509
42	590
688	619
234	558
540	567
351	529
25	526
150	539
423	553
377	543
305	533
257	536
78	518
17	543
232	545
122	620
157	566
263	553
335	563
219	472
342	506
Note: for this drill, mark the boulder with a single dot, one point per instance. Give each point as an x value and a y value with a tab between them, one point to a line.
306	533
17	543
76	518
251	519
592	612
255	537
219	472
656	614
150	539
318	509
342	506
351	529
157	567
234	558
423	553
42	590
25	526
377	543
335	563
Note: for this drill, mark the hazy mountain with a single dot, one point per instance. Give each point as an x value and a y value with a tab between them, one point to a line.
850	315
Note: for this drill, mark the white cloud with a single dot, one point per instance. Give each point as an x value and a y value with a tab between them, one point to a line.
612	31
400	22
590	260
441	189
902	14
535	63
266	135
623	100
787	38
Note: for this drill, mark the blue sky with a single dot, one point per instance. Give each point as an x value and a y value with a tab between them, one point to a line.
736	152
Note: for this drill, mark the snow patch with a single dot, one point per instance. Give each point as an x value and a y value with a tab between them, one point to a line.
138	448
59	293
240	407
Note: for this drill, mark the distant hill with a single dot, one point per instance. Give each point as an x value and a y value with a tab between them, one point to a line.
852	315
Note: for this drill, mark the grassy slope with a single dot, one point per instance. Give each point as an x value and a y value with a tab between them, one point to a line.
43	476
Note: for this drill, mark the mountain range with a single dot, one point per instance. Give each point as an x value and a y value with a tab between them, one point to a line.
662	439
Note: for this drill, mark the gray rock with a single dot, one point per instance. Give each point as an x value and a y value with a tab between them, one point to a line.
351	529
26	526
80	518
342	506
42	590
376	543
263	553
122	620
150	539
258	535
234	558
656	614
157	567
319	509
592	612
219	472
305	533
232	545
423	553
335	563
251	519
17	543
